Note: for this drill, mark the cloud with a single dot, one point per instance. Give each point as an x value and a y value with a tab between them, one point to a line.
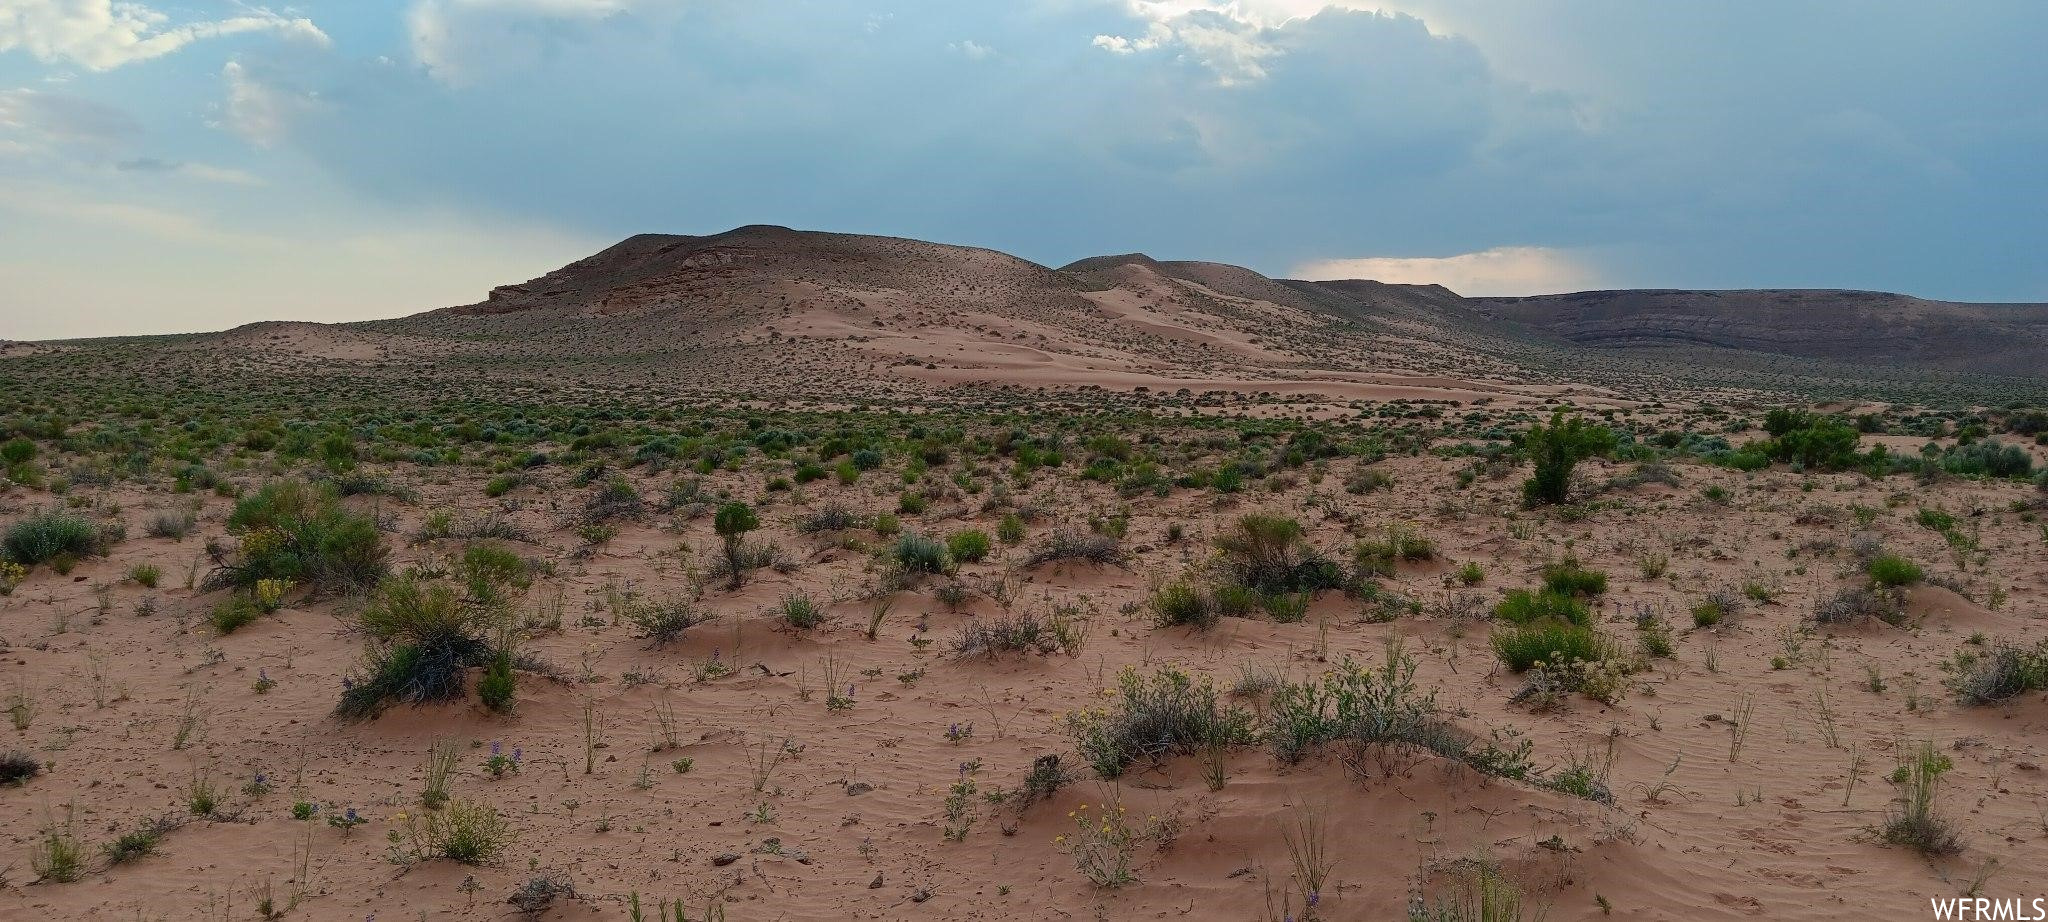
1498	271
1234	50
64	119
258	111
974	50
199	171
105	34
52	202
461	41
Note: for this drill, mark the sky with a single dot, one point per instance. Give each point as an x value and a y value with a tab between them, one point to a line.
182	166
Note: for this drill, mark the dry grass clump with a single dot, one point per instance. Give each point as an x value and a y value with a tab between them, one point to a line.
1067	544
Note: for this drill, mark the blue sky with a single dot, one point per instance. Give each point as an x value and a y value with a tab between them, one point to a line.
185	166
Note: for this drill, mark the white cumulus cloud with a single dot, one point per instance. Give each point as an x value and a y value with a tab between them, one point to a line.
105	34
1498	271
258	111
456	39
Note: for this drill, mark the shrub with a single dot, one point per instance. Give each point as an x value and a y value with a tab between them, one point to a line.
1523	606
661	622
799	610
425	639
17	450
1860	603
1368	480
146	575
732	521
498	685
1892	571
1820	443
1380	708
1555	450
172	525
1987	458
616	500
2005	671
1015	633
490	571
1719	605
1266	552
293	532
832	516
1155	717
968	546
1068	544
1522	647
501	485
44	536
58	855
1010	529
1377	558
234	613
138	843
1180	603
1567	577
917	554
467	833
1914	823
17	767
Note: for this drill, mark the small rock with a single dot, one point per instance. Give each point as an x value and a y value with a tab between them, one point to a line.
2026	766
724	859
876	884
858	788
919	895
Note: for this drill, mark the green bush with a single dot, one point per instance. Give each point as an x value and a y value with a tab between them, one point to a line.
1567	577
661	622
490	571
146	575
17	450
1010	529
1525	646
915	553
1523	606
293	532
732	522
1555	450
497	687
44	536
1150	718
1378	558
799	610
467	833
1180	603
1366	707
1267	552
233	613
2003	673
425	640
968	546
1893	571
